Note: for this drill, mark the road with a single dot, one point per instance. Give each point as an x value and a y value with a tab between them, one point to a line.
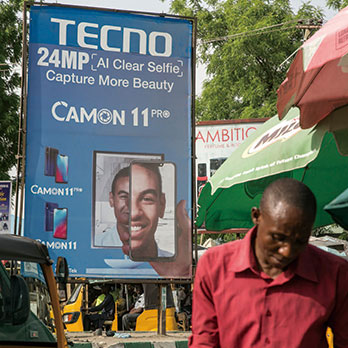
171	340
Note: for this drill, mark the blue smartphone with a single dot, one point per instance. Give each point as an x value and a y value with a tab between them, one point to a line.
49	208
50	161
62	169
60	222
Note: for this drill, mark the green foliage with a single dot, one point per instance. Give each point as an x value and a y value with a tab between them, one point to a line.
343	235
336	4
333	230
244	70
10	55
323	231
221	238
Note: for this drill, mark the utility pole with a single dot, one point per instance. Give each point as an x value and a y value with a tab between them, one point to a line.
309	26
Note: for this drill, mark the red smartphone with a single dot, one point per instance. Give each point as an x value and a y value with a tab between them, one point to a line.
60	223
62	169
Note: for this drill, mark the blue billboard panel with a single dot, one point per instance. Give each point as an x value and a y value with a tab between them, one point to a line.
108	167
5	206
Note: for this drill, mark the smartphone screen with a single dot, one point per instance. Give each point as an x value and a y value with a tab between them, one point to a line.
62	169
60	222
50	161
152	211
49	208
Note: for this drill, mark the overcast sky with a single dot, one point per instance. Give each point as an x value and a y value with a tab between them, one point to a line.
158	7
134	5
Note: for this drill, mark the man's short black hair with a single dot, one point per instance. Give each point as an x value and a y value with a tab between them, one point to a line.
125	172
292	192
122	173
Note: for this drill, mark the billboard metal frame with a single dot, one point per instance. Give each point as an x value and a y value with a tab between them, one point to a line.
21	151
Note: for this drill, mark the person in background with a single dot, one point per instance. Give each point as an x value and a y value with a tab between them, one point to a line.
129	319
106	309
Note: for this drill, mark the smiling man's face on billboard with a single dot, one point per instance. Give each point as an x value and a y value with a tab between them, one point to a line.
147	206
119	200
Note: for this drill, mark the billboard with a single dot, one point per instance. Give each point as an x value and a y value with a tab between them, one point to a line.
216	140
5	206
109	108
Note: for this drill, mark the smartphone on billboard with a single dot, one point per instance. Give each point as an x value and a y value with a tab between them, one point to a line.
152	211
49	211
62	169
50	161
60	223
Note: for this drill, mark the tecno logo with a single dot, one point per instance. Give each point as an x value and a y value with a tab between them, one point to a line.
63	112
90	35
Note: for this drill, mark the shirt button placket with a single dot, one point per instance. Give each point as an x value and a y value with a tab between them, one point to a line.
268	320
268	314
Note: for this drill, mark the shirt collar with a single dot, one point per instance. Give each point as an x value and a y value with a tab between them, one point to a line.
245	259
304	265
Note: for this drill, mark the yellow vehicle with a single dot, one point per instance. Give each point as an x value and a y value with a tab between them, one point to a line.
73	316
19	325
148	319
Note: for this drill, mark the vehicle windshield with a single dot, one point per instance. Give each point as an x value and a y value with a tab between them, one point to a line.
74	294
35	327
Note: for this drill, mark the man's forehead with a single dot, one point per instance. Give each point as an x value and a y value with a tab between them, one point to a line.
122	182
275	208
289	217
145	176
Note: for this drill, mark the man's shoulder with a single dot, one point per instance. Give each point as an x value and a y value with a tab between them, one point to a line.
221	253
109	237
163	253
323	254
141	298
226	247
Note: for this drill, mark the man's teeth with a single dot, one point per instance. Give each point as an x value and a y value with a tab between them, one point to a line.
135	228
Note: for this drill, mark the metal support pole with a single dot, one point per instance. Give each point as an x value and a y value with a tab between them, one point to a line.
22	128
161	322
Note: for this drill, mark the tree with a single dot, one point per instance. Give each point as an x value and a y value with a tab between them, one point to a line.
243	43
10	55
337	4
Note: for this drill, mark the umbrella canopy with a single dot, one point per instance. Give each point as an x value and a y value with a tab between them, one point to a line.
276	149
317	81
338	209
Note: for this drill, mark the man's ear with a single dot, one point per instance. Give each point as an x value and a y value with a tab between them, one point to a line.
111	200
162	205
255	215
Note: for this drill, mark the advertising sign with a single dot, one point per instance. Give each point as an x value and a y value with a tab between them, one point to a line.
109	111
5	206
216	140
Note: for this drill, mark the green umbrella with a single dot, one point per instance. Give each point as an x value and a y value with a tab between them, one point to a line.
276	149
338	209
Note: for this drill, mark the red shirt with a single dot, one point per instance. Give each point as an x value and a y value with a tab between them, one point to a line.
237	306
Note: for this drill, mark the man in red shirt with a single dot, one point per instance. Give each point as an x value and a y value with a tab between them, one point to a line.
272	289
